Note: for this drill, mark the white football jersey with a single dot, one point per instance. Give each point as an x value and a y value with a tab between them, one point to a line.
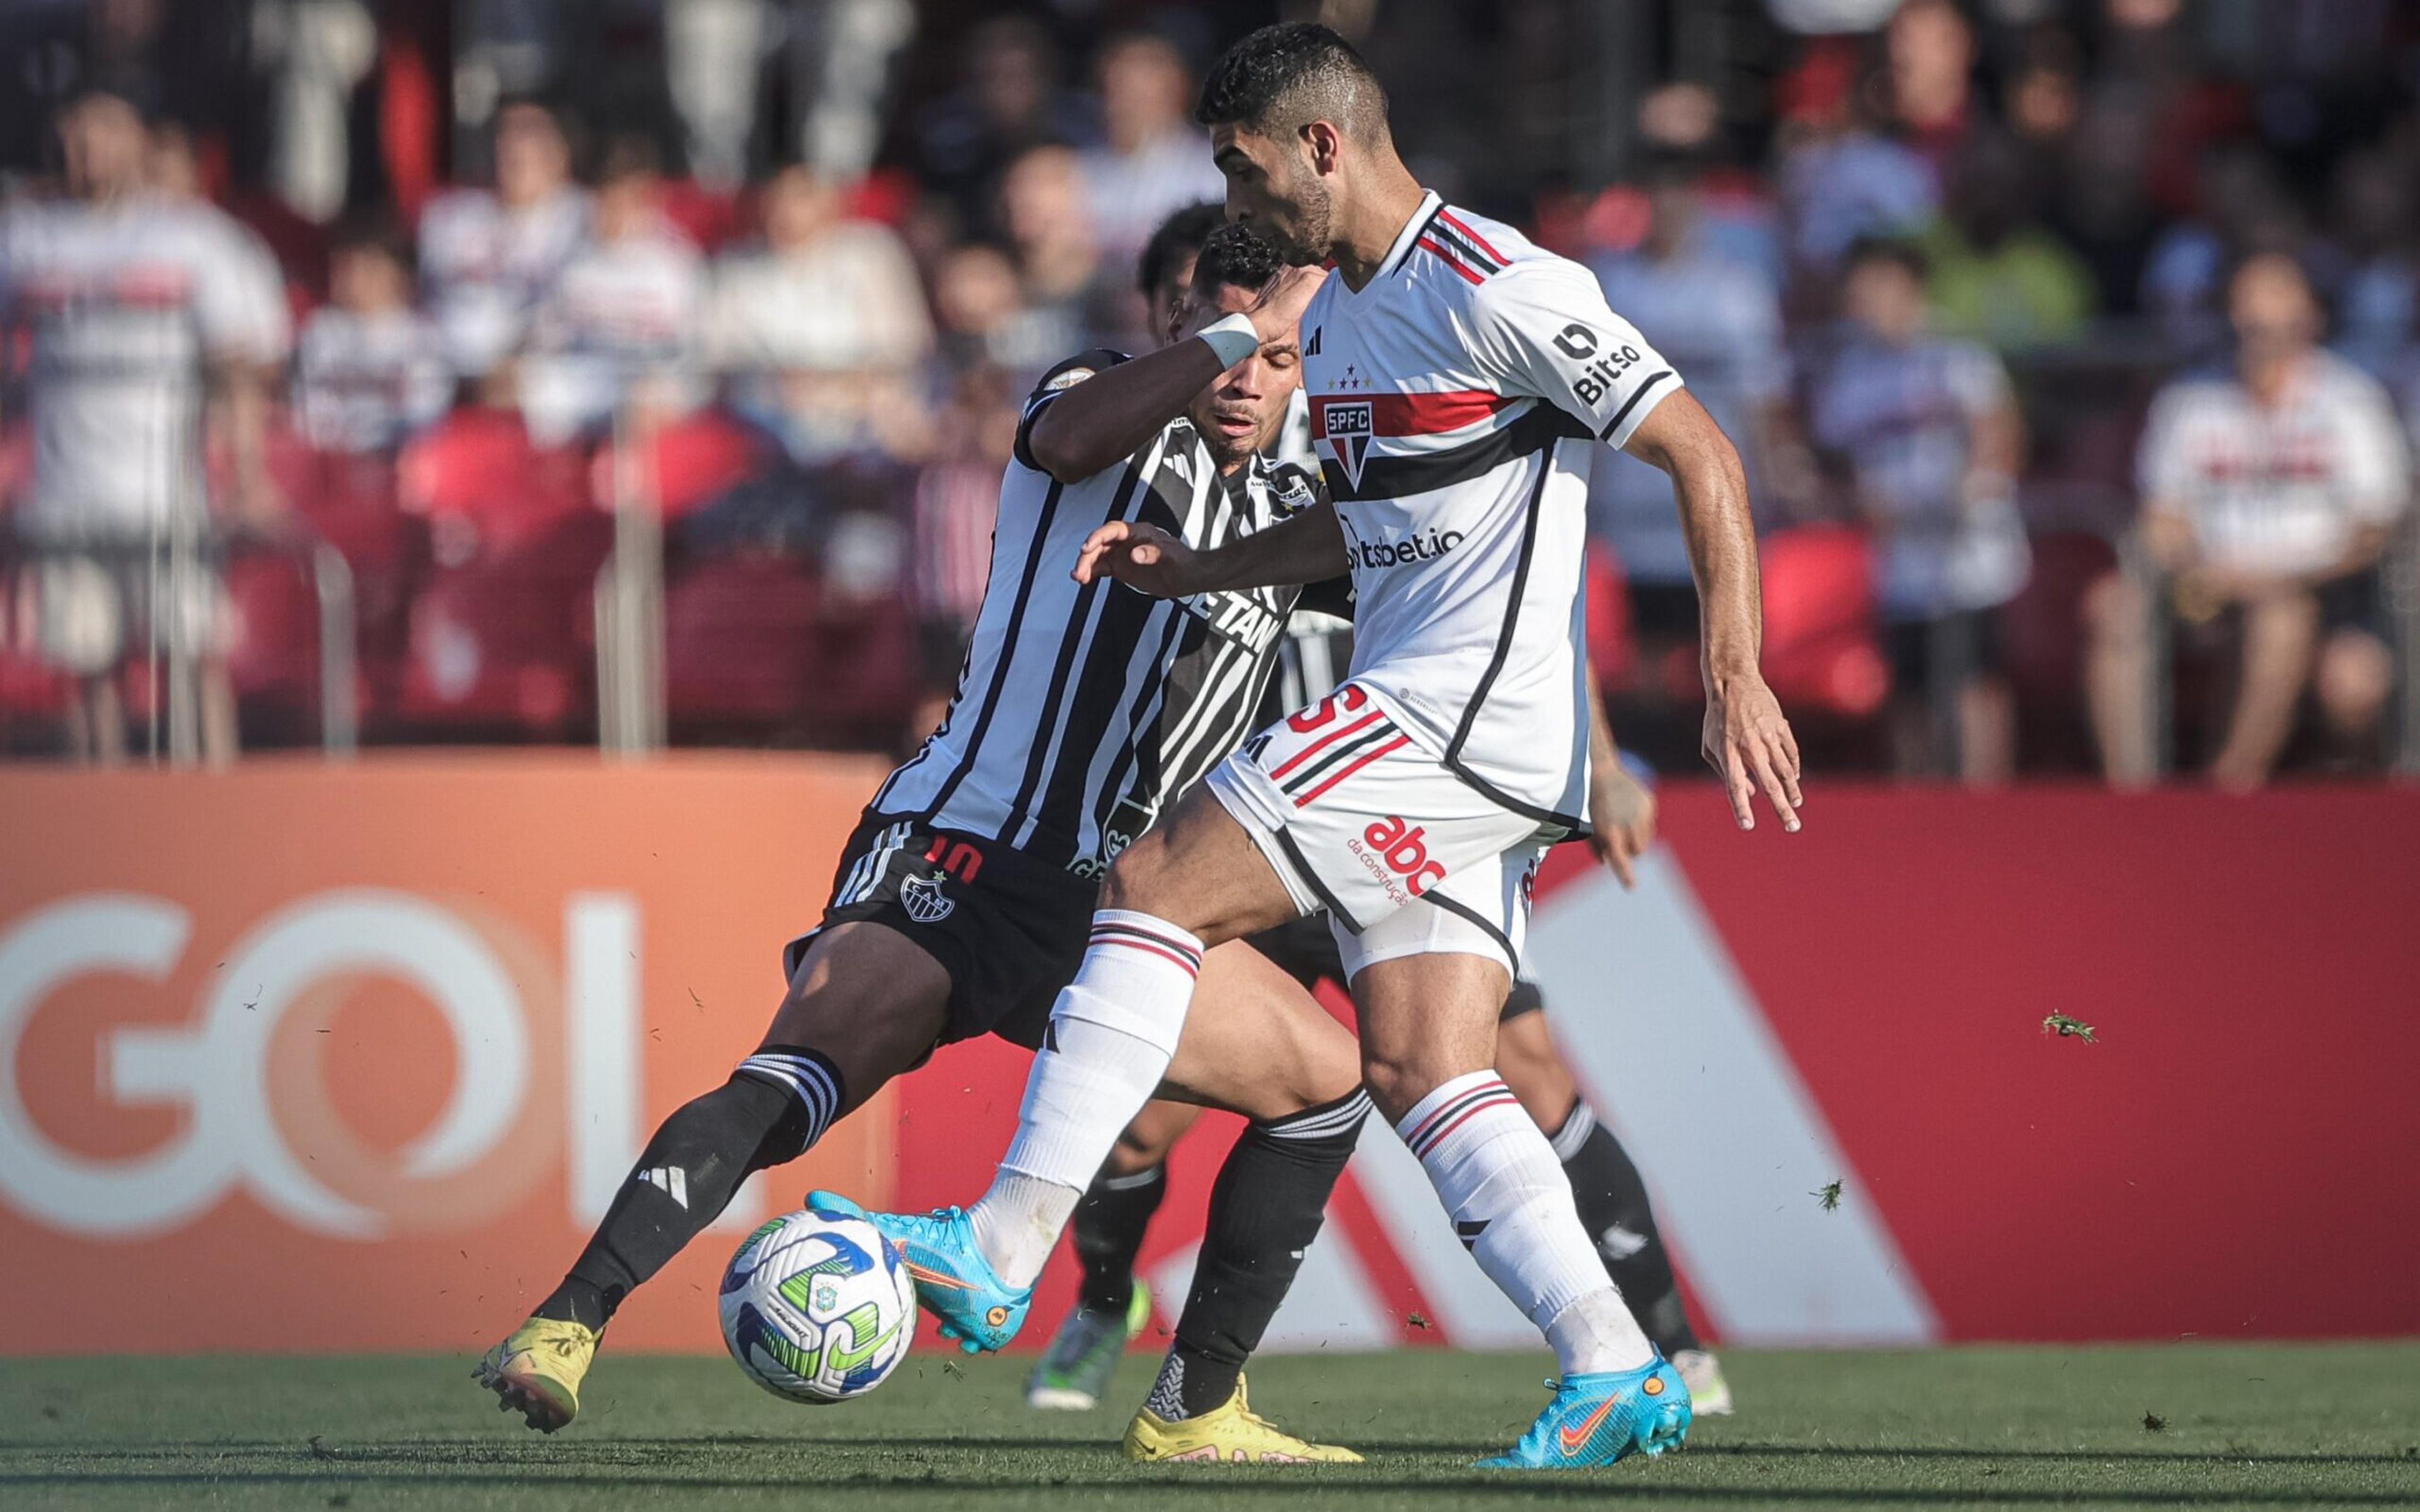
2279	488
1456	403
127	305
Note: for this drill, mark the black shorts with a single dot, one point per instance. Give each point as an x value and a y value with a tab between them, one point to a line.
1969	638
1305	950
1010	929
2357	602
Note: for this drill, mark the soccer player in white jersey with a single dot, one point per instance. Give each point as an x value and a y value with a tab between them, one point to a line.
1106	1233
147	314
1460	379
966	898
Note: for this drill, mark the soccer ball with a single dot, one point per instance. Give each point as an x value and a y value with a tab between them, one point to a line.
818	1308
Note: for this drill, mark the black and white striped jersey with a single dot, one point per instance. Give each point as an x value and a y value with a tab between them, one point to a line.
1082	709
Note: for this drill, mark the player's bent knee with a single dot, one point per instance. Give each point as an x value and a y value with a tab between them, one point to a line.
870	998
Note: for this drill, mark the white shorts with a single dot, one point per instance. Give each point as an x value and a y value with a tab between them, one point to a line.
1357	817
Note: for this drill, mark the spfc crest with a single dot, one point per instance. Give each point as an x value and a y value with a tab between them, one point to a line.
923	899
1348	424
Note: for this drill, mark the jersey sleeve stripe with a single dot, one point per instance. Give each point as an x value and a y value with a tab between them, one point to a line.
1431	246
1613	427
1461	248
1474	237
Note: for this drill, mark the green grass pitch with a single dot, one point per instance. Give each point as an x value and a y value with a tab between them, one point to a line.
2239	1426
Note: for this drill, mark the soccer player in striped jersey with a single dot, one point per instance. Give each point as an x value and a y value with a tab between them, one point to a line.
1459	378
968	893
1114	1304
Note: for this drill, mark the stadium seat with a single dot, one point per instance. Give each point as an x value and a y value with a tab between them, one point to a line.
499	635
1820	650
498	648
486	488
690	462
1611	651
2041	629
740	645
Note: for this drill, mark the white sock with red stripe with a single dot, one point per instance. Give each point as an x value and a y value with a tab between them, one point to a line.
1112	1034
1512	1205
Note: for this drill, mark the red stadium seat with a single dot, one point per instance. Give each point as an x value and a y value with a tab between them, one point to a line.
688	462
498	648
740	644
500	636
1819	650
1611	651
2041	629
487	487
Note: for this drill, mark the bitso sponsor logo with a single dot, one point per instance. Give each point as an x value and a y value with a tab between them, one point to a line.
1597	374
1397	854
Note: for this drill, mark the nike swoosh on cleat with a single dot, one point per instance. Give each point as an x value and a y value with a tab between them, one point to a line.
1574	1437
935	1277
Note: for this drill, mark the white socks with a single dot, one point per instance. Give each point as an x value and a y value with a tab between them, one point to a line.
1512	1205
1112	1034
1018	1222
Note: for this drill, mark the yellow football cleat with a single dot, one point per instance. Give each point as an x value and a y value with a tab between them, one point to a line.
537	1371
1229	1434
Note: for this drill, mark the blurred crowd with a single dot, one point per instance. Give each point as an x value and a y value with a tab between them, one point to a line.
2073	347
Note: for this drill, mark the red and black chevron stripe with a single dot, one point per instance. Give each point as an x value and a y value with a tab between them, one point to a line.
1337	755
1447	238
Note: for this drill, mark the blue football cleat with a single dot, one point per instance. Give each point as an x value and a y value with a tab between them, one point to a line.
1597	1419
954	1281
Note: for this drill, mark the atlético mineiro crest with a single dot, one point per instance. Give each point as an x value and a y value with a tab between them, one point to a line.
923	899
1349	428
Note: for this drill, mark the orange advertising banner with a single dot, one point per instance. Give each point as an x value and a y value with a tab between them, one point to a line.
351	1056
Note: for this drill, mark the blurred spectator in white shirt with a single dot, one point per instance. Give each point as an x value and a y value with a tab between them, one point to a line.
1155	160
2269	493
823	328
1930	438
622	320
139	307
370	369
486	256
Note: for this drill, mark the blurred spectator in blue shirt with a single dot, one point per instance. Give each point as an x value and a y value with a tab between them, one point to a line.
1719	321
1930	436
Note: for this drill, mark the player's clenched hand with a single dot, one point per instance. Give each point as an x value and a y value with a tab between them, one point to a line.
1621	812
1749	744
1279	310
1141	556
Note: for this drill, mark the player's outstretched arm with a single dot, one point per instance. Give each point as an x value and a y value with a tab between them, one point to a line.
1096	425
1745	740
1306	548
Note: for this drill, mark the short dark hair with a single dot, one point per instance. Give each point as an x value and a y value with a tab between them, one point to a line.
375	232
1179	236
1281	78
1236	257
1897	251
